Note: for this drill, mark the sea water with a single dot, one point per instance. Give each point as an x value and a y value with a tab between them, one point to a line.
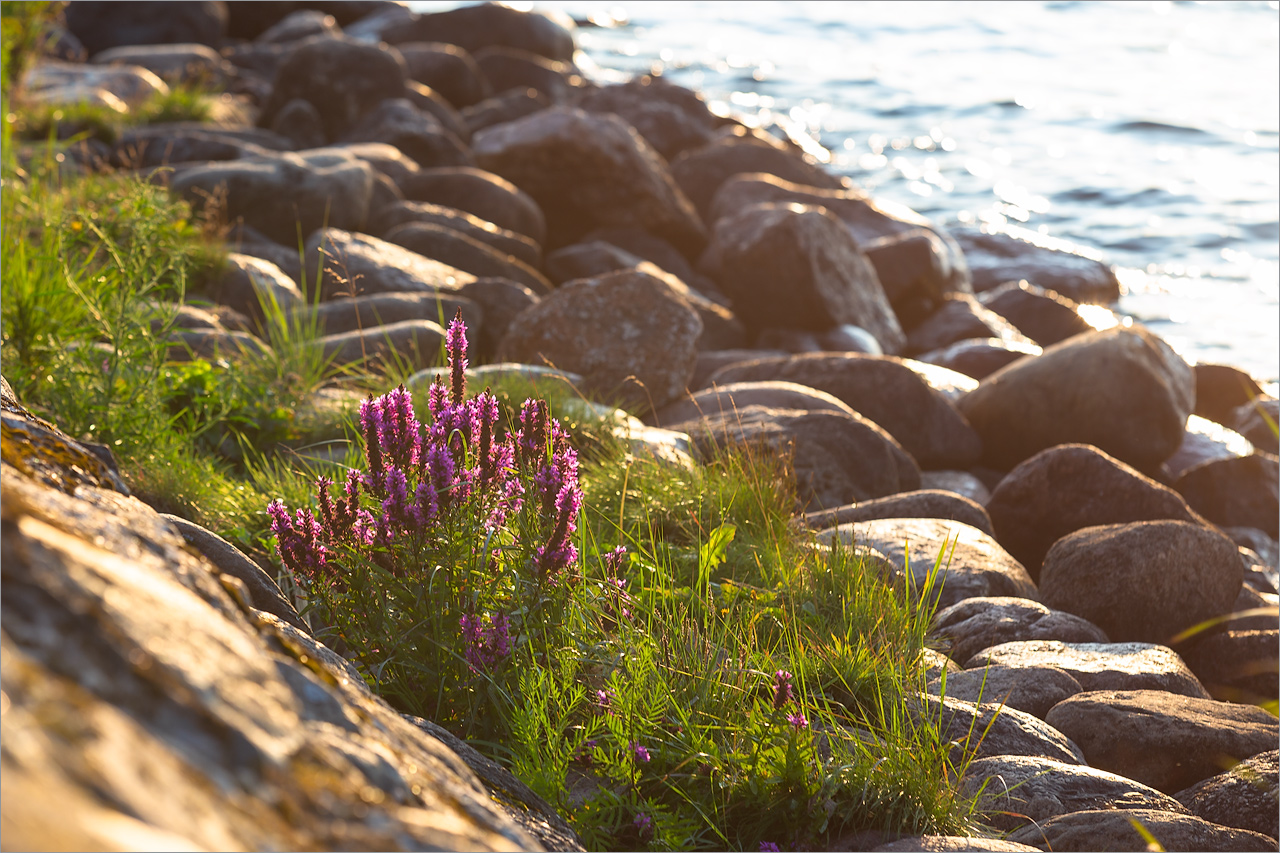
1147	131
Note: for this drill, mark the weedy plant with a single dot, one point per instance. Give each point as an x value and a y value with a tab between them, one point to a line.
611	657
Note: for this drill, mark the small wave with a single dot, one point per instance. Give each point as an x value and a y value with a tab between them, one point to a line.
1156	127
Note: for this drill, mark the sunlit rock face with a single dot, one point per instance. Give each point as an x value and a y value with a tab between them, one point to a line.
147	703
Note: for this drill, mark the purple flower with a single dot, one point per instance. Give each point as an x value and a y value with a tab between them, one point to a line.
641	754
768	847
797	720
484	644
643	823
456	344
559	552
299	541
781	688
604	700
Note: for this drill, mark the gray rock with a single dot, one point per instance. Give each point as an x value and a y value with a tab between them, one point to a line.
961	482
1242	491
444	244
881	388
416	132
483	194
380	309
630	335
511	105
413	343
1124	391
970	563
586	260
1033	689
1204	441
1237	665
448	69
1014	791
979	357
1221	389
950	383
342	78
173	63
509	68
738	395
100	26
671	118
505	241
997	254
1247	796
1144	581
1115	830
1065	488
1161	739
962	317
502	301
950	843
299	121
989	729
298	25
285	194
1100	666
849	338
795	266
978	623
1045	316
545	33
149	695
1257	422
711	361
587	170
721	329
918	504
213	344
248	283
838	457
347	263
436	105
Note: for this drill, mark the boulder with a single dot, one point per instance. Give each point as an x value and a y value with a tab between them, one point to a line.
1221	389
1236	492
1117	829
352	264
630	335
1144	581
490	24
962	317
414	344
246	240
721	328
285	194
503	240
483	194
989	729
917	262
881	388
1045	316
511	105
100	26
700	172
656	250
1099	666
738	395
444	244
1016	790
448	69
838	457
213	344
157	705
1237	665
381	309
419	134
979	357
671	118
849	338
509	68
247	284
298	25
950	383
974	624
917	504
1000	253
949	843
1257	421
502	301
1033	689
342	78
1069	487
119	88
1204	441
709	362
795	266
173	63
587	170
1247	796
1161	739
181	142
961	482
969	563
587	260
299	121
1124	391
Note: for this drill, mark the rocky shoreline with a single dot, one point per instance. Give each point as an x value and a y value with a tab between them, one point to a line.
964	392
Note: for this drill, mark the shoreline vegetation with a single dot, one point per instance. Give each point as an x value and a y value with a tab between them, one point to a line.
666	728
660	648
